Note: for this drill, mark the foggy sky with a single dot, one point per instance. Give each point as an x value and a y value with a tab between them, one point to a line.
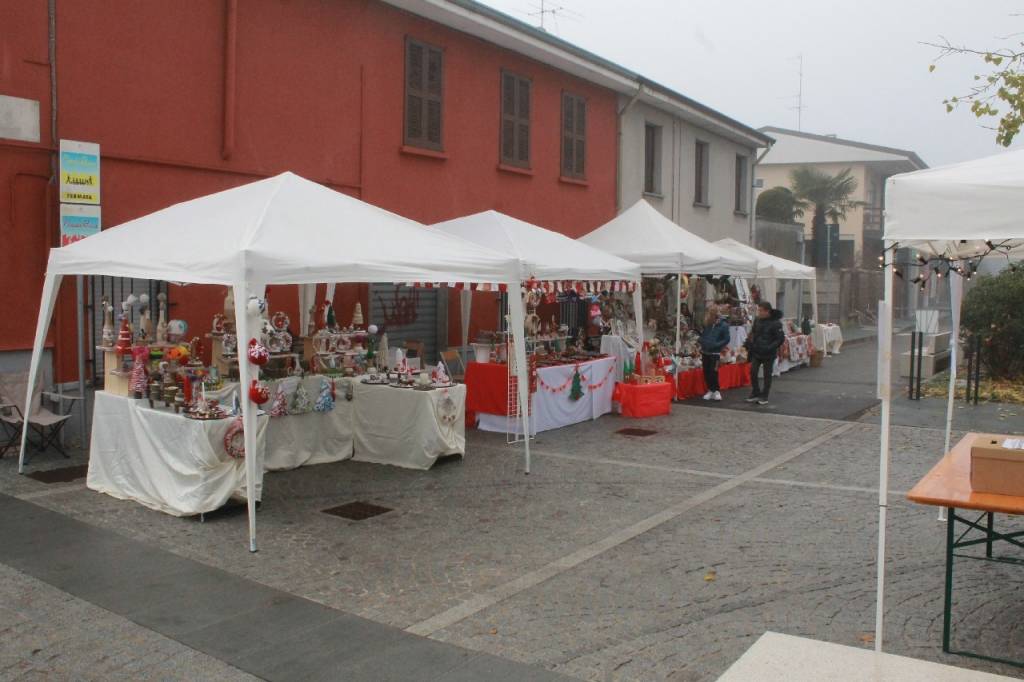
865	72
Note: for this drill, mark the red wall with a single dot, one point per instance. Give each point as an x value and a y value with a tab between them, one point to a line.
318	89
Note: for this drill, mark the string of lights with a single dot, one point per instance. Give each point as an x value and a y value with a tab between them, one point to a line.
946	265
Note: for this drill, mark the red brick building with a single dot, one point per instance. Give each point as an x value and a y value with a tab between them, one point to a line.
190	98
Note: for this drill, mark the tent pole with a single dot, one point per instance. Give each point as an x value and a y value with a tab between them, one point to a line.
885	393
638	310
814	298
679	308
51	287
466	311
517	319
956	290
80	324
245	323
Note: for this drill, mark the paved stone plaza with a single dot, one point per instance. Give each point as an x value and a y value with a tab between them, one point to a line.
618	558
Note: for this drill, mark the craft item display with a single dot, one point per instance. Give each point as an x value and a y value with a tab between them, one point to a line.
138	377
124	337
258	353
161	320
176	331
258	392
234	440
301	402
217	326
357	316
325	399
145	326
279	408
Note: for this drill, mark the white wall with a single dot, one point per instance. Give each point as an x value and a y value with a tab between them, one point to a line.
675	200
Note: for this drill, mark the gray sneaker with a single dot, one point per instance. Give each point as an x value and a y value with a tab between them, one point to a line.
751	399
762	401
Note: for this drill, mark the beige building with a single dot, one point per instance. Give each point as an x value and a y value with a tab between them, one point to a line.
869	164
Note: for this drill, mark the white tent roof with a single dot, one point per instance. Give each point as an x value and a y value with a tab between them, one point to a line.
644	236
282	230
769	266
543	254
954	209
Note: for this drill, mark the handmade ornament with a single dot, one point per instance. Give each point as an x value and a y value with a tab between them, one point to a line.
280	321
279	408
217	326
138	377
324	401
145	325
258	353
258	392
109	336
357	316
301	403
331	320
576	392
440	374
124	338
177	330
382	349
311	326
256	306
234	439
447	411
161	321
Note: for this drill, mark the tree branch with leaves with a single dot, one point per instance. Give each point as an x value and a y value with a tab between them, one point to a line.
997	93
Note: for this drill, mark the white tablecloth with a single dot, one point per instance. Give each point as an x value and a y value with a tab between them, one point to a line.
828	338
163	460
408	428
553	409
795	354
616	347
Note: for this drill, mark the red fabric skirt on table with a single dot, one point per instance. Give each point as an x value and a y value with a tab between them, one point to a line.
486	389
644	400
690	384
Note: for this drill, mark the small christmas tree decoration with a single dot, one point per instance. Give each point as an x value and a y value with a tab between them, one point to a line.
301	403
324	401
357	316
138	377
279	408
124	338
576	392
332	320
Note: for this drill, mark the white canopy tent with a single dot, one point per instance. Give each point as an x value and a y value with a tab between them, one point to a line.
543	255
643	235
282	230
959	212
772	268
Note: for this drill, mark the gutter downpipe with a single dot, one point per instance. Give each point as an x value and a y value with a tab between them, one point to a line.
618	166
752	208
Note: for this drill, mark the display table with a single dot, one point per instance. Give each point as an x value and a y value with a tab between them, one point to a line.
690	382
795	352
828	338
948	485
551	405
163	460
644	400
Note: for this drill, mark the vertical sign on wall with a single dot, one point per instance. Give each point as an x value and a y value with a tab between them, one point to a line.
78	222
79	172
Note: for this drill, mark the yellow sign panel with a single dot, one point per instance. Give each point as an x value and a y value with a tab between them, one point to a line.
79	172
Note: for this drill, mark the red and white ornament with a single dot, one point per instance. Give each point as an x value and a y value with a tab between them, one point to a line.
258	353
258	392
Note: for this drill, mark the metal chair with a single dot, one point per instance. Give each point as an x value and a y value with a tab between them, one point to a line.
46	424
414	349
453	361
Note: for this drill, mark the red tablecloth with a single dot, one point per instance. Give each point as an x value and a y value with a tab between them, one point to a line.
690	384
486	389
644	400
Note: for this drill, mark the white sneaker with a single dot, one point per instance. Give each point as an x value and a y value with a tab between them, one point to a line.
708	395
716	396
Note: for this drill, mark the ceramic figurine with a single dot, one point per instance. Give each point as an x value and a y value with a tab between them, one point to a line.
357	316
229	307
324	401
109	336
161	321
440	374
311	327
382	351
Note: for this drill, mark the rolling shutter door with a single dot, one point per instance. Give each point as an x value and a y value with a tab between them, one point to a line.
410	314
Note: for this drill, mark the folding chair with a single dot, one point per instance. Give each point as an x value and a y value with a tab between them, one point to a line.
46	424
453	361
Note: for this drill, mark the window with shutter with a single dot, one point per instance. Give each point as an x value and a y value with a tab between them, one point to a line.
424	94
574	135
516	99
701	174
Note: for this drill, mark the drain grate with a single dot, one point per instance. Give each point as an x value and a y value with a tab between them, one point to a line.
61	475
357	511
639	433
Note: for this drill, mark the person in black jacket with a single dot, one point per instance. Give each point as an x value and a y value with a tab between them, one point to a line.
763	346
713	341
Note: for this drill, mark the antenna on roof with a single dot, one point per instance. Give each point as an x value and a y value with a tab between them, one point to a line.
546	8
800	94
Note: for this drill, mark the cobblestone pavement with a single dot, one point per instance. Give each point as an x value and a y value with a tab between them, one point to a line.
791	549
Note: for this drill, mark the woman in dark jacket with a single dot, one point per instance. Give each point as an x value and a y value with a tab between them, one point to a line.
713	341
763	346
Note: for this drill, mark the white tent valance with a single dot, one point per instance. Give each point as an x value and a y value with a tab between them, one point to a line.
282	230
543	254
769	266
643	235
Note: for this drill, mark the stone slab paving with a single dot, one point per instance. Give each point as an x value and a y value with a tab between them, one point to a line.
47	634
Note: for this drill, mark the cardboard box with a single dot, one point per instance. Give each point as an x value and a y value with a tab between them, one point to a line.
997	469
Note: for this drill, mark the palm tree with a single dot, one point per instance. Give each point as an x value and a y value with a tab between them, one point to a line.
827	195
